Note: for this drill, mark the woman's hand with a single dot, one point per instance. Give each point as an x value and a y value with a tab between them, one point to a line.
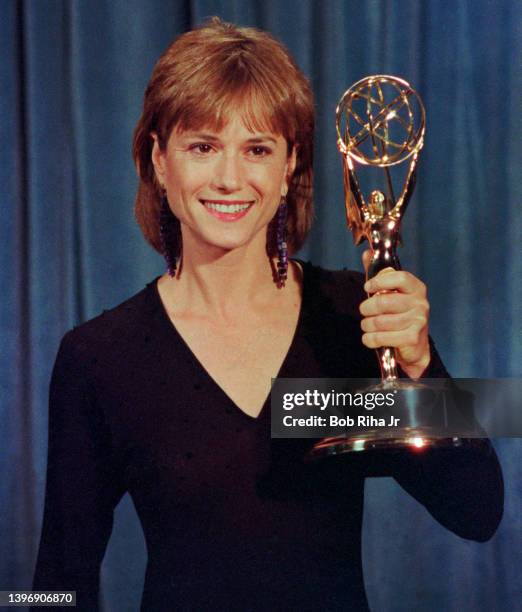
396	315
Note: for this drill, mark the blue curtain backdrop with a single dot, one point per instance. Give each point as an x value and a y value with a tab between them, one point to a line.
72	76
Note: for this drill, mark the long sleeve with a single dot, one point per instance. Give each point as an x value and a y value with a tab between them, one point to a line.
82	486
461	487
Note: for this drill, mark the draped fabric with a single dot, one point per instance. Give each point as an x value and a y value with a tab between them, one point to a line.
72	76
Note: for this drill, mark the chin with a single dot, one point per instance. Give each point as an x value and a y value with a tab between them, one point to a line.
229	241
228	245
221	240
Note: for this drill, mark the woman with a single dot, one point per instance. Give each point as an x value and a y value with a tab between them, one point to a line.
166	395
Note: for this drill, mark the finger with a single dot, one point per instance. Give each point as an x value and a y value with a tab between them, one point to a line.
388	322
395	280
386	303
396	339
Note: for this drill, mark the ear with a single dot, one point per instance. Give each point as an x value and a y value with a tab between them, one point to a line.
158	159
290	169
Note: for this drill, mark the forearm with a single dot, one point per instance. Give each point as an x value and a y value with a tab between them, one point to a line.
462	488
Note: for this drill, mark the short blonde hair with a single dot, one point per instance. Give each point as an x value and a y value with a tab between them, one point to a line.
202	75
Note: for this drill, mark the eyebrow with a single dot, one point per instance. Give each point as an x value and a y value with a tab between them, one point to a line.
201	136
263	138
213	138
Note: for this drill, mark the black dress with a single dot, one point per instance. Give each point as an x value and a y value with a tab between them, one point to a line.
232	519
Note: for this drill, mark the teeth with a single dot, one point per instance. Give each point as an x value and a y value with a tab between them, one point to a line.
226	208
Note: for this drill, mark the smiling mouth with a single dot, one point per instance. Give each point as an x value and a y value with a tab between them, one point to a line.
227	211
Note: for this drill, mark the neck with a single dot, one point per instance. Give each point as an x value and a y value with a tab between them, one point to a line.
219	282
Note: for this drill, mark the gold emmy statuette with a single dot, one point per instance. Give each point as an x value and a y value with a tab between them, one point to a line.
380	124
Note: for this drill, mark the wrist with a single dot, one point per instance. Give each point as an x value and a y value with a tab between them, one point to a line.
417	369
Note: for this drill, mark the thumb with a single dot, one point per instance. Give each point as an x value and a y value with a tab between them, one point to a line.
366	258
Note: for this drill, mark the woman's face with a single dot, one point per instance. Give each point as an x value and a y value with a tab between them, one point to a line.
224	187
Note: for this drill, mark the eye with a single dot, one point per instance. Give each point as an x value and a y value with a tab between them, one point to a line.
201	148
259	151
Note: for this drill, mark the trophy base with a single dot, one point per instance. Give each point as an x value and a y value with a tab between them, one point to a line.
425	422
408	441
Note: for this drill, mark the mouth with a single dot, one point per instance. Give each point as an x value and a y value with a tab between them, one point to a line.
227	210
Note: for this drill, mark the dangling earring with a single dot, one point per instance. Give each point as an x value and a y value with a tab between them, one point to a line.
168	234
282	249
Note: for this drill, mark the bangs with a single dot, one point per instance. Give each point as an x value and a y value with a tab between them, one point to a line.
213	96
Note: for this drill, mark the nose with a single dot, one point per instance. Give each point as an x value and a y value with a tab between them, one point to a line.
228	173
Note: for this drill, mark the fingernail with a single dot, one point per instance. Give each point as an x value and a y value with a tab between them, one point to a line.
368	286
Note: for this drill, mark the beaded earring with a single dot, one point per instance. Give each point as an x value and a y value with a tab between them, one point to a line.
168	234
282	249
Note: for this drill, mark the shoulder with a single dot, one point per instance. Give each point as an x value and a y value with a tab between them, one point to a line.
113	330
340	291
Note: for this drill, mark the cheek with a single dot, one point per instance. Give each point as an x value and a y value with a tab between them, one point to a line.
185	178
267	180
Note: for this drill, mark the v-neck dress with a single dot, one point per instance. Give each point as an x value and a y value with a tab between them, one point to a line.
232	519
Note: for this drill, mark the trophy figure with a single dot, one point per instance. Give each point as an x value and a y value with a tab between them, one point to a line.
380	123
